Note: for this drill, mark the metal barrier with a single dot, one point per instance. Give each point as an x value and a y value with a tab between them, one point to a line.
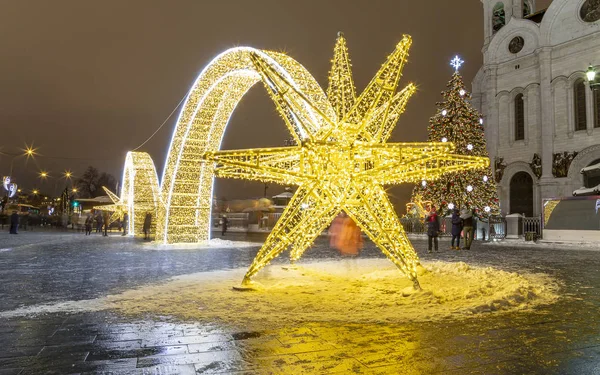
496	228
234	220
413	225
532	228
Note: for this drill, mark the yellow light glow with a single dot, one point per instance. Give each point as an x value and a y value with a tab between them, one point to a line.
35	192
68	174
43	174
29	151
341	161
74	190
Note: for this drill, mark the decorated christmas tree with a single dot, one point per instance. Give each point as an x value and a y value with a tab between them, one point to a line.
458	122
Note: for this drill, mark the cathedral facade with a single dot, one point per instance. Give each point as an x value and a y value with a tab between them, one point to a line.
541	114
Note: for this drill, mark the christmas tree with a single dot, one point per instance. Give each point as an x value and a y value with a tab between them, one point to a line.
458	122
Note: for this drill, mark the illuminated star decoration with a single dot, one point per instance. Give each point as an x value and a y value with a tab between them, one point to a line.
456	63
118	207
342	160
29	151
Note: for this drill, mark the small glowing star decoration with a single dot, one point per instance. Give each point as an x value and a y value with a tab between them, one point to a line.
444	112
487	209
424	183
485	178
462	92
456	63
480	121
444	139
340	161
469	147
451	206
469	188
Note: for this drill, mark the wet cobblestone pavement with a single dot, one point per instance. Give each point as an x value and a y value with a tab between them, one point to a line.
35	268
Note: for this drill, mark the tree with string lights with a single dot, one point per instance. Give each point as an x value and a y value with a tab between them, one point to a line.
457	121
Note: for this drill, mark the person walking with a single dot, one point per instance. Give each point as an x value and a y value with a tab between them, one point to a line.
99	223
14	223
106	220
467	218
125	224
432	221
88	225
457	226
224	223
147	225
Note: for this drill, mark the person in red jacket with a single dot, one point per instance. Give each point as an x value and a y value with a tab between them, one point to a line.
432	221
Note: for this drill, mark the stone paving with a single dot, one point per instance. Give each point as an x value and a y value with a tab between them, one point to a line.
35	268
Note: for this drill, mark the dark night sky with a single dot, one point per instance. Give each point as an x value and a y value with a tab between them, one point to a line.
93	80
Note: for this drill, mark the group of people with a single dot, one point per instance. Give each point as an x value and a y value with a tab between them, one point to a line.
462	222
103	221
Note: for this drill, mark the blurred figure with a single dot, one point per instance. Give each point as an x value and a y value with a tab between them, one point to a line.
457	226
147	225
349	239
224	223
88	225
106	220
14	222
125	223
467	218
433	228
99	223
335	229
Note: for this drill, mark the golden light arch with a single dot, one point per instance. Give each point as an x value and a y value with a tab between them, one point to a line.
342	160
140	192
187	181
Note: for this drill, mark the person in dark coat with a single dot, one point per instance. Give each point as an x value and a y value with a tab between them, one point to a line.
467	218
147	225
106	220
432	221
14	222
457	226
99	223
88	225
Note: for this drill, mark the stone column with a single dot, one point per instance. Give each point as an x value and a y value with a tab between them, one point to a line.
547	107
491	125
547	181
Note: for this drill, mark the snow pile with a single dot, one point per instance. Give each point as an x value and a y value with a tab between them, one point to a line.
212	243
363	291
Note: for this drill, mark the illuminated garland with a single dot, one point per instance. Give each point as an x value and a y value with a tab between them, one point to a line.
340	163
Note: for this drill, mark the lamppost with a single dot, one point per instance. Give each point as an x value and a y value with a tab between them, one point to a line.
591	76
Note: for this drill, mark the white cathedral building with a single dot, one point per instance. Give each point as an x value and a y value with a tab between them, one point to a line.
541	115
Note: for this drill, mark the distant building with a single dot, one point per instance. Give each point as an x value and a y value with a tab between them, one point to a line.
542	120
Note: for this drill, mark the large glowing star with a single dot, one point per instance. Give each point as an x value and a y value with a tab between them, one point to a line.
341	163
342	160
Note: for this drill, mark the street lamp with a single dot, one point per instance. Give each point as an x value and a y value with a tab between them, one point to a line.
591	76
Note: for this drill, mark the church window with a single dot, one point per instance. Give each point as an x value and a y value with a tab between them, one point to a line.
519	118
498	17
590	11
579	95
516	44
526	8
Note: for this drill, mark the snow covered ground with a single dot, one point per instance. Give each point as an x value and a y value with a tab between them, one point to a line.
364	291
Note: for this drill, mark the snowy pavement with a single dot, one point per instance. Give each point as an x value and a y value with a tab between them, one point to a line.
39	268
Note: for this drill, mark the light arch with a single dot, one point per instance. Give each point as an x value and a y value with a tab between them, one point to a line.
187	182
140	192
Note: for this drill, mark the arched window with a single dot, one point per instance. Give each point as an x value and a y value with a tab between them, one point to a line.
579	105
498	17
526	8
597	108
519	118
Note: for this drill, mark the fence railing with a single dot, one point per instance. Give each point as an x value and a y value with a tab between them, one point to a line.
532	228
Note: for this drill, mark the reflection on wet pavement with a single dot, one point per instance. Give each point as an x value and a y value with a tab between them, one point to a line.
561	338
